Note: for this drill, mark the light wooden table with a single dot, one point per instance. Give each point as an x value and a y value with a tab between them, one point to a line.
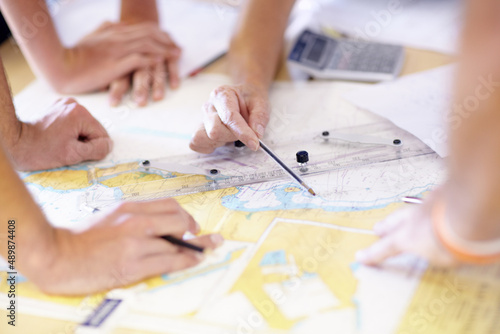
20	75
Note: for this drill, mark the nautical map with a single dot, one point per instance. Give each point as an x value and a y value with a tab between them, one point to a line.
288	263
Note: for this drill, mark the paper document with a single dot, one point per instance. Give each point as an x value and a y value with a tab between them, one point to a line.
418	103
201	28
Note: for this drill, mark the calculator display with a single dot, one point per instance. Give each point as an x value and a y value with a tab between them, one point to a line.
316	50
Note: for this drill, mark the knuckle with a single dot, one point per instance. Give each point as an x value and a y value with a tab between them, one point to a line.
130	245
125	207
214	133
68	100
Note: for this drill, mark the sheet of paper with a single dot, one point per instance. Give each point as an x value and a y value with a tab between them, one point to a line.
201	28
418	103
393	21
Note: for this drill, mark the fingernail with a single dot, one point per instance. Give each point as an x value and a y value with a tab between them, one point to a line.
197	228
140	100
199	256
253	145
114	101
217	239
361	256
260	130
158	94
378	227
110	145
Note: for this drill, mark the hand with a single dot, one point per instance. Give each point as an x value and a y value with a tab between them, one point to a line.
113	51
69	134
408	230
122	248
145	80
233	113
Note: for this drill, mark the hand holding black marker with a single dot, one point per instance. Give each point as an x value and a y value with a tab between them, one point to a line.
173	240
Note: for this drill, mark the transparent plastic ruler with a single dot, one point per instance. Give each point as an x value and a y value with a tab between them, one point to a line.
231	166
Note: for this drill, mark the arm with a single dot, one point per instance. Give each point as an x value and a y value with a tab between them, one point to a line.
133	11
108	53
470	196
241	111
152	77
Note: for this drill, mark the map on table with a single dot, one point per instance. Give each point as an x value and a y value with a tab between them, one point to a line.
288	263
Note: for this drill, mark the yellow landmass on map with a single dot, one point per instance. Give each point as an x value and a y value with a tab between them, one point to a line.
60	179
327	252
460	301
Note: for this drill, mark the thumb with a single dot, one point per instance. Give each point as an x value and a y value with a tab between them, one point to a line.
259	118
94	149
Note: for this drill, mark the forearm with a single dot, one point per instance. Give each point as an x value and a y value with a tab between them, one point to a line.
474	184
10	126
257	45
32	26
32	235
133	11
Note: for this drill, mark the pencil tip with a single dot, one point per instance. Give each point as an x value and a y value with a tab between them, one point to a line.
311	192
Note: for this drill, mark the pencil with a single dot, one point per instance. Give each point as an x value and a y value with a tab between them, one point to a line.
182	243
286	168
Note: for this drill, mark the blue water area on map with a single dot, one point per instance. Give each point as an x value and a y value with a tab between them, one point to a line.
274	258
284	200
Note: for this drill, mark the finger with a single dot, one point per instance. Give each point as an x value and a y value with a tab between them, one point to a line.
259	117
214	127
202	143
173	71
87	126
210	241
391	222
381	250
227	104
149	47
157	246
118	89
141	84
162	264
156	225
132	63
94	149
159	79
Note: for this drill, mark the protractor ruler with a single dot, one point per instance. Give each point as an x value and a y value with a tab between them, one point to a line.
235	165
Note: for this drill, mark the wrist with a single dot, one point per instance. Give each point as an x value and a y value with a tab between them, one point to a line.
11	135
38	256
461	246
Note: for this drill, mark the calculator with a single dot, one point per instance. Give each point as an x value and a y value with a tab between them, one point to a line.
324	57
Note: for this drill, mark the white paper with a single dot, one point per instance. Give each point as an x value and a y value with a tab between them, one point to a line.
417	103
202	29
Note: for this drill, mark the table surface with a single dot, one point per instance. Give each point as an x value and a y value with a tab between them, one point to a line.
20	75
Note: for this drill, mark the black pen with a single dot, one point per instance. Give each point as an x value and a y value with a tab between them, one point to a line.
182	243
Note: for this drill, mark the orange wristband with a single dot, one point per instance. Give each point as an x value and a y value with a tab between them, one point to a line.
477	252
